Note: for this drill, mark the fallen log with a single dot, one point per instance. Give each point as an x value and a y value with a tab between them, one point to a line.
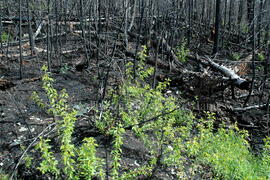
250	107
16	43
230	74
234	79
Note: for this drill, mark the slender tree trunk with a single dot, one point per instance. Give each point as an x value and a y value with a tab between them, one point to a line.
231	14
133	15
56	29
217	25
89	28
1	29
82	23
260	23
266	42
203	12
20	38
61	10
250	11
250	15
195	9
48	36
225	14
223	23
142	8
150	23
266	20
98	29
65	18
210	10
99	16
30	30
126	23
107	17
156	67
240	15
189	21
253	53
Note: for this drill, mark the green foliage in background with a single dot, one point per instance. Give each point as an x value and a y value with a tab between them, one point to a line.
182	52
261	57
244	28
39	5
5	37
236	56
64	69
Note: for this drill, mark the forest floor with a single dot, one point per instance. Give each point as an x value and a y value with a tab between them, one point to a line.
21	120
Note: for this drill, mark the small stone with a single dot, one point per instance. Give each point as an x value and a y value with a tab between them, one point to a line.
22	129
136	164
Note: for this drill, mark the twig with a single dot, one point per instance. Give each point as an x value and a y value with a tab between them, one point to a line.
238	81
30	145
149	120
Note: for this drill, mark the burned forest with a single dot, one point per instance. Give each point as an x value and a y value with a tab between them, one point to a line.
134	89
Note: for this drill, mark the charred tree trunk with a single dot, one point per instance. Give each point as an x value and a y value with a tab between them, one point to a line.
217	25
1	29
133	15
231	14
126	23
56	29
20	37
48	36
253	53
142	8
203	12
240	15
82	23
260	23
30	30
189	21
250	15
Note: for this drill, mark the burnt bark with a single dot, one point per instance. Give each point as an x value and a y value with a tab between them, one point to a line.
217	26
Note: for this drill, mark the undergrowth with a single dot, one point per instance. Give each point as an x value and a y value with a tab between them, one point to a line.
172	135
3	176
78	162
182	52
5	37
228	152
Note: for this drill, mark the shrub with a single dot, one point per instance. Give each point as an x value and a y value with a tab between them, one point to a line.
182	52
236	56
227	152
171	134
135	105
5	37
261	56
78	162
